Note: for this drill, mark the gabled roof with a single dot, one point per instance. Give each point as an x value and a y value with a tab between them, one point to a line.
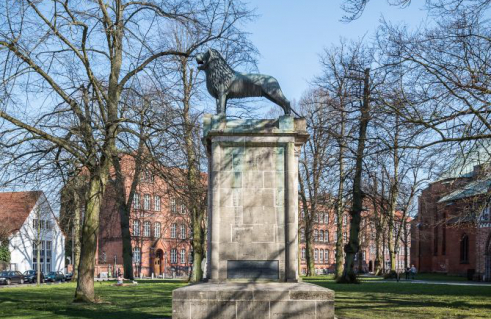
474	188
14	209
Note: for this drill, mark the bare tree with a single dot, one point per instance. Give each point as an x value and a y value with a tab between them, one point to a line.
80	58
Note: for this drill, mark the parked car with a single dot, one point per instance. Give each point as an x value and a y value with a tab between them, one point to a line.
9	277
68	276
54	276
31	276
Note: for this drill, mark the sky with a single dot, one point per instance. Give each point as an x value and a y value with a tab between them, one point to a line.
291	34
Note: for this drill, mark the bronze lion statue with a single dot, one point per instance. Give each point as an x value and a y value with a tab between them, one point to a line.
224	83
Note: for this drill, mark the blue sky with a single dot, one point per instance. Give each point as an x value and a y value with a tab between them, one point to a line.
290	34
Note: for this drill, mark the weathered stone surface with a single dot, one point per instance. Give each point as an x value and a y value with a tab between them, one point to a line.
253	300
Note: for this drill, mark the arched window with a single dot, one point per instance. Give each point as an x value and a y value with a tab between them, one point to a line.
136	228
326	256
303	253
321	255
316	255
316	235
321	235
302	234
183	231
326	236
326	218
464	249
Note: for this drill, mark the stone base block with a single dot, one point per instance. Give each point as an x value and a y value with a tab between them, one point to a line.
253	301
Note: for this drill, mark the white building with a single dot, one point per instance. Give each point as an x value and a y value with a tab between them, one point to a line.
28	221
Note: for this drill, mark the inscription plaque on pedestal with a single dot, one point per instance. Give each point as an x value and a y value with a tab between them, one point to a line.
253	269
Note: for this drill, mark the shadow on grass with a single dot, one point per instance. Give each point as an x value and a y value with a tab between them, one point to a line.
145	300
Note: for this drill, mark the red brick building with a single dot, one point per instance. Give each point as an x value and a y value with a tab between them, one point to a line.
325	237
159	225
452	231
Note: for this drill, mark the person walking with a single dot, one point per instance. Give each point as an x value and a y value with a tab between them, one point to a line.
413	272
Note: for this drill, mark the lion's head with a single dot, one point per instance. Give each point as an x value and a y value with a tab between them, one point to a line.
219	74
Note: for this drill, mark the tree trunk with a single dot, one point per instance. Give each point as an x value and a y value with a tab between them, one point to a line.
124	215
76	233
90	229
38	256
340	205
353	245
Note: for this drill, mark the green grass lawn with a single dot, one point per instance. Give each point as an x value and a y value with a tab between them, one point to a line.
408	300
149	299
152	299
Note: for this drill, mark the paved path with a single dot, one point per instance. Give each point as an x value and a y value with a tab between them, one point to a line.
453	283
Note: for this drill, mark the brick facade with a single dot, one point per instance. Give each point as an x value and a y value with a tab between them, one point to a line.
451	233
159	225
325	223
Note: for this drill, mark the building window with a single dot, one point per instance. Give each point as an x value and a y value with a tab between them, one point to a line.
183	256
345	236
156	230
326	236
345	220
156	203
326	256
146	229
136	228
302	214
137	255
336	236
183	231
316	254
173	207
146	202
321	235
302	234
136	201
336	219
326	218
148	177
173	256
321	255
464	249
316	235
183	209
173	231
303	253
190	258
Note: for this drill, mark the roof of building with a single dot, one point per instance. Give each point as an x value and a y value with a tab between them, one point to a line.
14	209
474	188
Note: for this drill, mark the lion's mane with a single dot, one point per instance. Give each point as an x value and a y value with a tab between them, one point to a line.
220	75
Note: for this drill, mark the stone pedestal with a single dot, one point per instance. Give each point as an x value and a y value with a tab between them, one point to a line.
253	225
253	301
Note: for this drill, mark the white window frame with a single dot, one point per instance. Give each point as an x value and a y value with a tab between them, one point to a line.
136	201
183	256
156	229
146	228
173	256
156	204
137	255
173	231
136	228
146	201
182	233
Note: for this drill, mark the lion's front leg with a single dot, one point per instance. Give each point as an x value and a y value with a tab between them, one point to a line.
221	104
